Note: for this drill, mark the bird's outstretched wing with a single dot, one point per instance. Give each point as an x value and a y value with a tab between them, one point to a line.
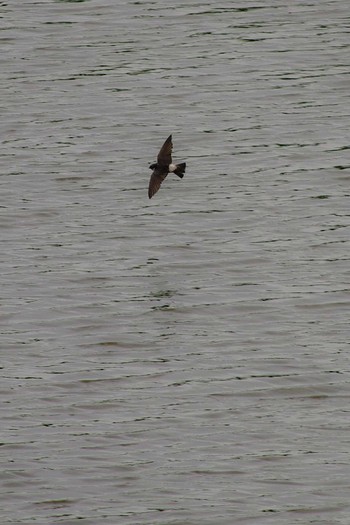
155	182
164	156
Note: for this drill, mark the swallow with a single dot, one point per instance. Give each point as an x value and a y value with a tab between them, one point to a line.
163	166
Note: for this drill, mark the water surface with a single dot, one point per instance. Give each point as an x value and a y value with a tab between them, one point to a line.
184	359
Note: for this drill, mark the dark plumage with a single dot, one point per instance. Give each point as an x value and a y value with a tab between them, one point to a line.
163	166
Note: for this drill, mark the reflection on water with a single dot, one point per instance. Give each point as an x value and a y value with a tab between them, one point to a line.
181	360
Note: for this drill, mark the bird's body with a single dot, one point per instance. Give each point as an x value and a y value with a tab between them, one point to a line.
163	166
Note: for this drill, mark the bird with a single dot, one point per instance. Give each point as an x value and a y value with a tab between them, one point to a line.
163	166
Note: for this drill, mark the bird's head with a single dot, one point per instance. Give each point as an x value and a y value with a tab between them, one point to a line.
153	166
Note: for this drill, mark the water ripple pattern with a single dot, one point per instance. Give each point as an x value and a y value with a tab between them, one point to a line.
183	360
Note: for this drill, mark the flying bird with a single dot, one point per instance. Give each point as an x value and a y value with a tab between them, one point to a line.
163	166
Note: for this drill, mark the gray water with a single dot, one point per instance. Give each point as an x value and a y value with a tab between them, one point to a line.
184	360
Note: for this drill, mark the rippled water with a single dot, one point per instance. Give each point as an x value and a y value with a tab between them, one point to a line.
182	360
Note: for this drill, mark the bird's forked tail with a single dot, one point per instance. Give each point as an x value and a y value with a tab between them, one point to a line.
180	169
